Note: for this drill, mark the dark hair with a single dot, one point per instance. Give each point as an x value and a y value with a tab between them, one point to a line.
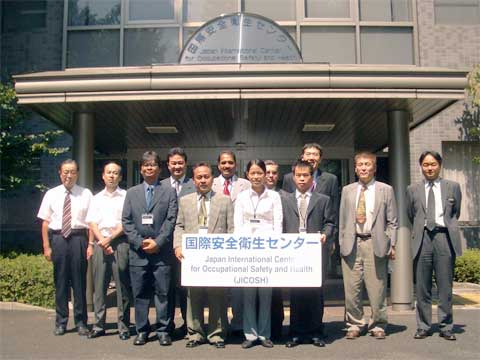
68	161
433	153
227	152
200	164
176	151
314	145
114	163
270	162
303	164
365	154
259	163
149	156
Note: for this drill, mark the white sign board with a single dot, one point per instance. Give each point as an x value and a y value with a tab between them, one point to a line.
240	260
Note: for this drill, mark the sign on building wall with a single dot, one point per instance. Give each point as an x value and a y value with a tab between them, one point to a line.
244	260
240	39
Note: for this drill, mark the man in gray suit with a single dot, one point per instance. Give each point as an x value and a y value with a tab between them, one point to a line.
367	235
148	218
433	207
229	184
177	165
212	213
309	212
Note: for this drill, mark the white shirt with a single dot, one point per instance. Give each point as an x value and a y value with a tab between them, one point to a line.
298	196
173	182
437	191
267	208
51	208
106	210
366	228
230	185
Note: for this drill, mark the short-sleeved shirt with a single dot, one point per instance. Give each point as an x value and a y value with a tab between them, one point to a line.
106	210
51	208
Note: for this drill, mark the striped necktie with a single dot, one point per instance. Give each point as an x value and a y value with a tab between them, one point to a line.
67	216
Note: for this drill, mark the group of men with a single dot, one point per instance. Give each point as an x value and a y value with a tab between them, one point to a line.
136	236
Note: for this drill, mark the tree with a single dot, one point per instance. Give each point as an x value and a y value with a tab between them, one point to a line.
19	151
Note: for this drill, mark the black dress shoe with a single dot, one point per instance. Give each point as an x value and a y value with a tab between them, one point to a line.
83	331
295	341
448	335
164	340
124	335
219	344
193	343
266	343
421	334
247	344
140	339
318	342
59	331
96	333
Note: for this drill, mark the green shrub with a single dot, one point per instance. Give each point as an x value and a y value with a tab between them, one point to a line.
467	267
27	279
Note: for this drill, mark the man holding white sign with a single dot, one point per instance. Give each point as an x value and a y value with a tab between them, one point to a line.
305	211
204	212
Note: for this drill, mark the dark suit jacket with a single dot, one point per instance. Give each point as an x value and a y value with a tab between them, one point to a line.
417	212
164	209
188	186
327	184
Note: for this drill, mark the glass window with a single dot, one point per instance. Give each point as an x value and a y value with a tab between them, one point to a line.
93	12
93	48
151	46
327	8
457	12
335	44
385	10
272	9
151	10
203	10
386	45
187	32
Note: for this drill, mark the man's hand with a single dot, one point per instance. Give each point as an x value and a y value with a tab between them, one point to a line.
105	242
108	250
178	253
323	238
392	253
89	252
149	246
47	252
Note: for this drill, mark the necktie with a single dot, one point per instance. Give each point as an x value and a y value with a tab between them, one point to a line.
431	208
177	186
361	215
202	213
67	216
303	210
149	196
225	187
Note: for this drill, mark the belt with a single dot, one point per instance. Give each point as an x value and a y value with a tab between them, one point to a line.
364	236
438	229
73	232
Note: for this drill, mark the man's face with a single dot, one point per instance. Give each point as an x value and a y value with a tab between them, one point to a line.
68	175
177	166
431	168
365	169
272	176
227	166
150	171
203	179
312	155
111	176
302	178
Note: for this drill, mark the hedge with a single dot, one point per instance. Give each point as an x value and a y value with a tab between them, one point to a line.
467	267
27	279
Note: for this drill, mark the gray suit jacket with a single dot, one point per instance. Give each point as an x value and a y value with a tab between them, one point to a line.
164	210
220	219
188	186
384	221
238	186
417	212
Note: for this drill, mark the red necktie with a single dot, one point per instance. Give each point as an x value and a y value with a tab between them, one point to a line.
225	187
67	216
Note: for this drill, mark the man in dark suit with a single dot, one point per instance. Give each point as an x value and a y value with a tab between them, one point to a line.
433	207
310	212
148	219
177	165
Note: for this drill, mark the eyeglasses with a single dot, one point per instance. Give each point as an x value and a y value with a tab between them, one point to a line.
150	164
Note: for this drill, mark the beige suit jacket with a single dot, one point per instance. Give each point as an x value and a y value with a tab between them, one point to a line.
238	186
220	217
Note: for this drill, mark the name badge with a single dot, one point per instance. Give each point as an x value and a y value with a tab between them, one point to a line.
147	219
302	230
254	225
203	230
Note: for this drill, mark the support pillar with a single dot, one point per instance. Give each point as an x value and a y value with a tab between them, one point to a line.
83	144
401	293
